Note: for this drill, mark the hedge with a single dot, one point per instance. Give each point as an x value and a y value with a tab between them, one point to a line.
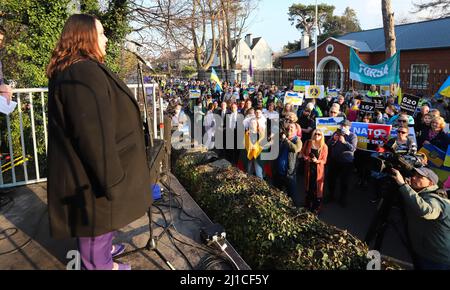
262	223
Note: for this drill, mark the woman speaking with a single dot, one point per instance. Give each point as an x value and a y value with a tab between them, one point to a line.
98	177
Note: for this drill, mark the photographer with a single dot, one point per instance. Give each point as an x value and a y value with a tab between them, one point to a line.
428	215
290	146
342	147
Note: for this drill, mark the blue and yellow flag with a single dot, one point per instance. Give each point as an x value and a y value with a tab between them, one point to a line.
447	158
445	89
215	78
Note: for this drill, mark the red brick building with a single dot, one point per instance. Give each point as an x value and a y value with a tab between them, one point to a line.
424	55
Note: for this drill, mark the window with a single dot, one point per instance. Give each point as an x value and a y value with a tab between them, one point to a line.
419	76
253	56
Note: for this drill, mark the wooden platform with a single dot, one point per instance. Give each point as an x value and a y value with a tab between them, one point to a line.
26	223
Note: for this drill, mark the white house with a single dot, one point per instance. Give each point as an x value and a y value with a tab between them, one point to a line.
257	49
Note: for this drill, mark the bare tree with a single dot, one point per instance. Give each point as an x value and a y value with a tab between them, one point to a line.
172	25
389	28
436	8
236	14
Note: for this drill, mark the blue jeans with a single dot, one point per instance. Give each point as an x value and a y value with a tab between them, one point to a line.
256	164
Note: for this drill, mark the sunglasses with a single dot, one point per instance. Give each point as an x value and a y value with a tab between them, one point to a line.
317	134
403	121
402	132
334	113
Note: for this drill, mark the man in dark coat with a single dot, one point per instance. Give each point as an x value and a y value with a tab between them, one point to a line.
98	179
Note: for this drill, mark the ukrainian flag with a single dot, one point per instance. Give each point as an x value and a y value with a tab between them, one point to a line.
436	160
215	78
435	156
445	89
447	158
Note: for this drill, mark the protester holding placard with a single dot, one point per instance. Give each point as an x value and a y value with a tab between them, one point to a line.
436	135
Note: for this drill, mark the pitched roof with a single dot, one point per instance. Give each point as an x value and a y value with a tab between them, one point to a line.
255	42
301	53
420	35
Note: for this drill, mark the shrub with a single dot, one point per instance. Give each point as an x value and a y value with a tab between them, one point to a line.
262	223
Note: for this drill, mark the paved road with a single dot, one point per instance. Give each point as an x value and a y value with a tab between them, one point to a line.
358	214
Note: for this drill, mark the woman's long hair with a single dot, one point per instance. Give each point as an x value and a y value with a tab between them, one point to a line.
319	144
78	41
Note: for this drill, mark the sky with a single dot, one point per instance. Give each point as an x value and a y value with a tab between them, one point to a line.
271	22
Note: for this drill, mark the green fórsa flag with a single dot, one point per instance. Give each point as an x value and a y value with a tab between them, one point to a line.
386	73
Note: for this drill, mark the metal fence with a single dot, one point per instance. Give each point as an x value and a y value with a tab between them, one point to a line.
418	80
24	136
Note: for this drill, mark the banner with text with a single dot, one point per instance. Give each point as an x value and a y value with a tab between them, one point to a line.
385	73
410	103
371	136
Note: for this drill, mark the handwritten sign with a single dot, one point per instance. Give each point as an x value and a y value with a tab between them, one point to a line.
328	125
195	94
294	98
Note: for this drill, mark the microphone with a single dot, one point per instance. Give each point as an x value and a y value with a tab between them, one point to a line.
130	46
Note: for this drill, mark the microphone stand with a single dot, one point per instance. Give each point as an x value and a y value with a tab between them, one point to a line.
151	243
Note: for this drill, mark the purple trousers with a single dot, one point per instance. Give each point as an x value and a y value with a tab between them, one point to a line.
95	252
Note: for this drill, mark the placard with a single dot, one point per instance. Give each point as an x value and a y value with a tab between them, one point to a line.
314	92
367	107
370	136
299	85
195	94
385	91
333	93
328	125
379	103
294	98
410	103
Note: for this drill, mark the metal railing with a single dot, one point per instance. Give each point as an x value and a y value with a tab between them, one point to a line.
24	136
420	80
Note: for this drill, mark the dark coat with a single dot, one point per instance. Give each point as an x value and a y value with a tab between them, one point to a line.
441	141
98	177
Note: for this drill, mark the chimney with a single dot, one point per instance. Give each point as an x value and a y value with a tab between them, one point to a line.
248	39
304	43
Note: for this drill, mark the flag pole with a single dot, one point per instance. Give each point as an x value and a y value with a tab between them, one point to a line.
316	28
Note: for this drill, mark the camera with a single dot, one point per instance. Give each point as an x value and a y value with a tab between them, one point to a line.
405	163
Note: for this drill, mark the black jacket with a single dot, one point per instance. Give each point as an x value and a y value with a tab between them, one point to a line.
98	177
442	141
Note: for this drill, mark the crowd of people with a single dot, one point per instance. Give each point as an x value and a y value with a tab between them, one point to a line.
323	161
